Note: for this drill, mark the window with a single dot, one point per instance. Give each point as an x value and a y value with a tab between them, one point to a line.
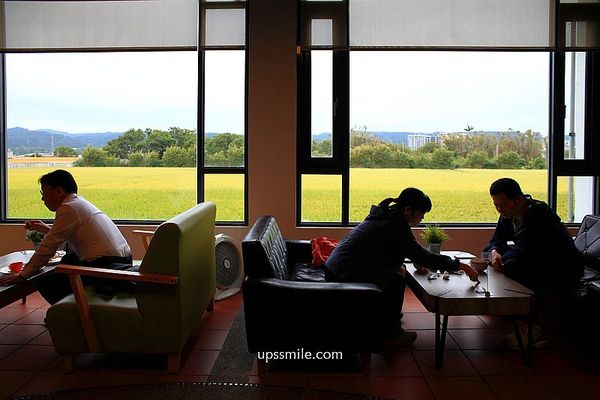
122	123
224	132
222	170
142	134
449	123
418	100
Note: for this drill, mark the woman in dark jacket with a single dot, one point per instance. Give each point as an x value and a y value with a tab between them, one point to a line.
375	250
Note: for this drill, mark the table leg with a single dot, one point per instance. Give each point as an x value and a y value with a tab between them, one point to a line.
440	339
24	300
529	356
526	349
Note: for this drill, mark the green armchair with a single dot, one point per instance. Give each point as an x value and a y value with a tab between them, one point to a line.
174	286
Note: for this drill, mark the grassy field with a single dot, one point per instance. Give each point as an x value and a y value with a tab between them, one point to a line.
130	193
457	195
158	193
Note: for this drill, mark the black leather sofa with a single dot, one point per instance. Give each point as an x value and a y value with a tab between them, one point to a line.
289	306
586	307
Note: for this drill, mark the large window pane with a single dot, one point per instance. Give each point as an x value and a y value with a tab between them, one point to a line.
227	192
321	101
574	197
449	123
224	86
116	117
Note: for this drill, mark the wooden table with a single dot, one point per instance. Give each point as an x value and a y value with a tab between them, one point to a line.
12	293
457	296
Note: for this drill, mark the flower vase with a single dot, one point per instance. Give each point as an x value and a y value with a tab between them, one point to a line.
434	248
36	246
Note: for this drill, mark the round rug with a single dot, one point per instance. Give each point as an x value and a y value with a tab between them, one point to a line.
198	390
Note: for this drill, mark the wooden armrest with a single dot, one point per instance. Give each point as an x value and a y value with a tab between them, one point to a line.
142	232
74	273
117	274
145	236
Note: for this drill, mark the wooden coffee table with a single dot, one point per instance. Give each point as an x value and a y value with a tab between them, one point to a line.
12	293
457	296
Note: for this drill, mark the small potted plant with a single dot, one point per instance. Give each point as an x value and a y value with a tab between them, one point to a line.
34	237
434	236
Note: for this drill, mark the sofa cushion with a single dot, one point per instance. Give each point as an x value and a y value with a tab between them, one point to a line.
307	273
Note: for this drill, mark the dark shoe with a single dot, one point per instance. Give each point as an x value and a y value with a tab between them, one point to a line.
400	338
539	341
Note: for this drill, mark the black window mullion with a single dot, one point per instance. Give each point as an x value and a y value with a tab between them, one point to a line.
3	152
557	117
303	137
592	123
200	130
341	126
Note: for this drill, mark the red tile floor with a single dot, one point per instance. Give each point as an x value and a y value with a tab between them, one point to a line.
475	365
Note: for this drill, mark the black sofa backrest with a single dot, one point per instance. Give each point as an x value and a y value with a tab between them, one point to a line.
265	251
588	238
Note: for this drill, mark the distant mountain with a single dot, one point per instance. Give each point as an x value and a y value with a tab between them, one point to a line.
321	137
25	141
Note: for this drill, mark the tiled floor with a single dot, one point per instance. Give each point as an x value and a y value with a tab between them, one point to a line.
476	366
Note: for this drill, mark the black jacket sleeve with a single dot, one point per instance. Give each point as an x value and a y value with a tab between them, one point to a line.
417	254
502	234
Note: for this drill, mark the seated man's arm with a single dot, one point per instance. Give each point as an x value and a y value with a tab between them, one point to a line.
64	225
500	237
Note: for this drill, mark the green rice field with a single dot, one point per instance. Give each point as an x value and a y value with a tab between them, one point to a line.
159	193
130	193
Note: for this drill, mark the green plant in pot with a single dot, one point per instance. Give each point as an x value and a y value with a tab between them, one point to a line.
434	236
34	237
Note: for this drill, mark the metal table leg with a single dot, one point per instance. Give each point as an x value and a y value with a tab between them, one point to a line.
440	339
526	349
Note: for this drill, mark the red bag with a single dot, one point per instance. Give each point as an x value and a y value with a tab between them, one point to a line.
322	247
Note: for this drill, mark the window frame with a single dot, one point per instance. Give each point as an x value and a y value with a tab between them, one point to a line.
201	169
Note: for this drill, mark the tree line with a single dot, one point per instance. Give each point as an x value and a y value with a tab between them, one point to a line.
510	150
176	147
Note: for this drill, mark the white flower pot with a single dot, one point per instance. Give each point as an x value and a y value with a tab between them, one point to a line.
434	248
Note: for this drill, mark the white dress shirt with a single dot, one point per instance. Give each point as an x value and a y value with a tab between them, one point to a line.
89	233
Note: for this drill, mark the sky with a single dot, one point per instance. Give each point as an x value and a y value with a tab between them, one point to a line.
101	92
390	91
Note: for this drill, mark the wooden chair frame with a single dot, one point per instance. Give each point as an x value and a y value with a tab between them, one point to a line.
75	273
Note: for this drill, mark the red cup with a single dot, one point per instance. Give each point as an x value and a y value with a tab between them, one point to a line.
16	267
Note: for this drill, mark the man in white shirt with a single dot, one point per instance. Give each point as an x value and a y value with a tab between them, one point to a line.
92	238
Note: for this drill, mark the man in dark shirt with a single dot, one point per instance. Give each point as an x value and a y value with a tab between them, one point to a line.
532	246
375	250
